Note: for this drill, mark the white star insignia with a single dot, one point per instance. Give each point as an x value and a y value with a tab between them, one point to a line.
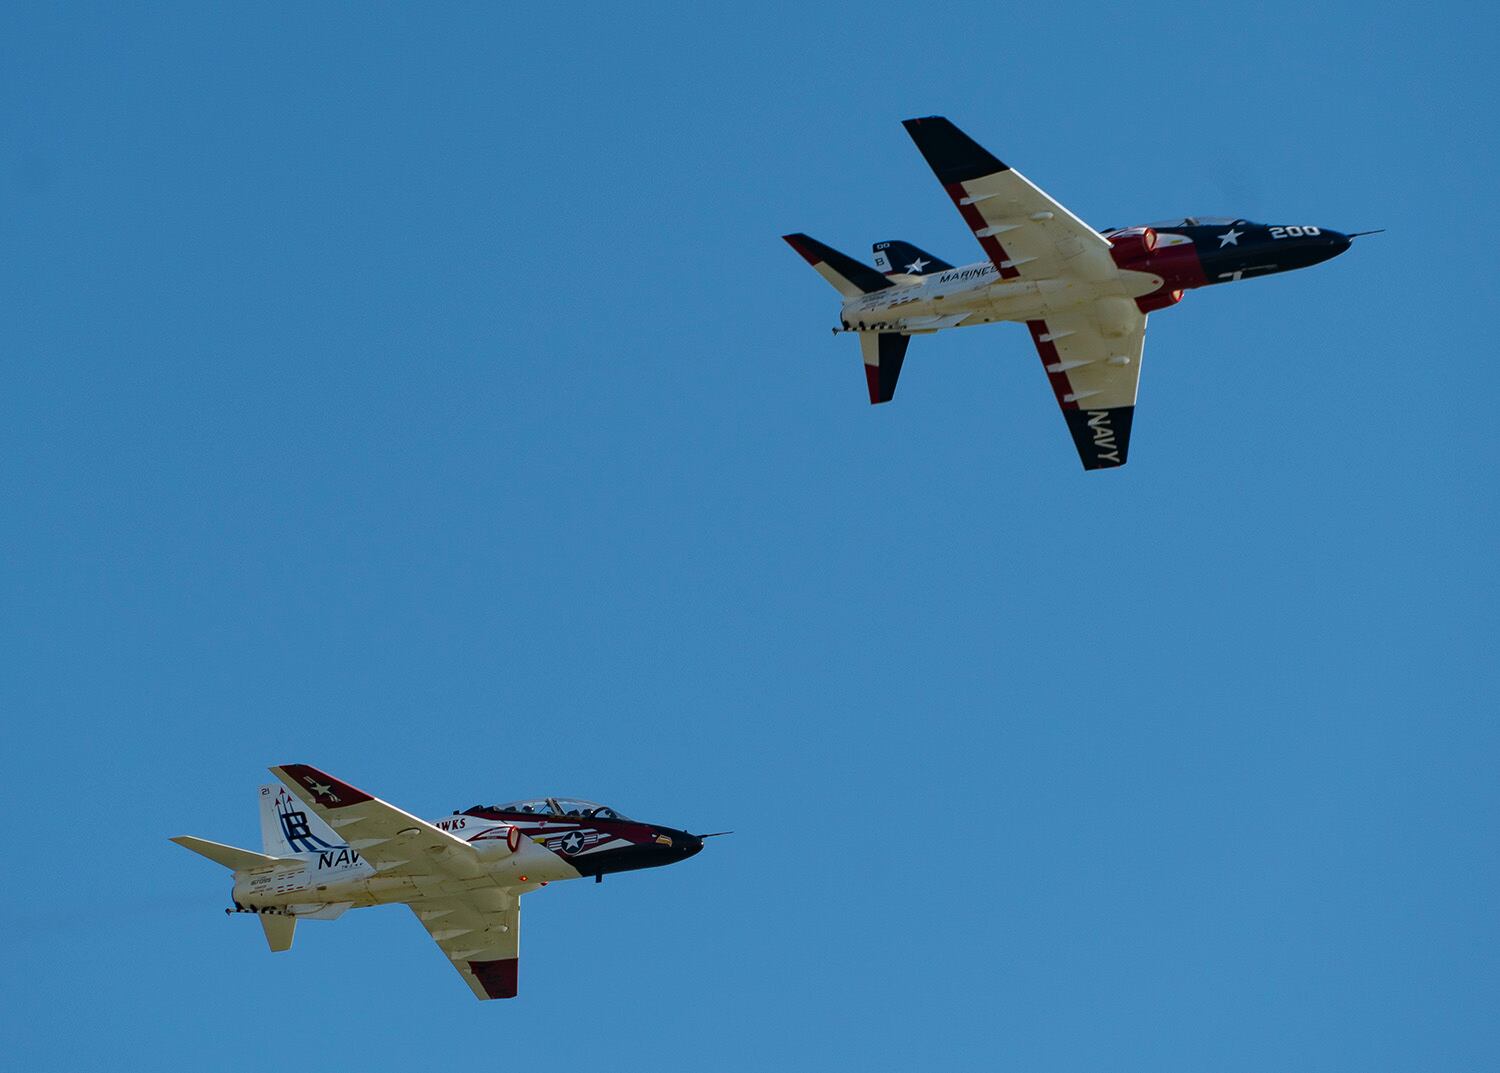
916	266
322	789
1230	238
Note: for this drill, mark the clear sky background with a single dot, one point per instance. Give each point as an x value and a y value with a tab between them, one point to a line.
428	396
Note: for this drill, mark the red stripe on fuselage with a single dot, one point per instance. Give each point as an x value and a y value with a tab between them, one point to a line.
542	825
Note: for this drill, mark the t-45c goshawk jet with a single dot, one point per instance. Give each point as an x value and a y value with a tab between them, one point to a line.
330	847
1084	294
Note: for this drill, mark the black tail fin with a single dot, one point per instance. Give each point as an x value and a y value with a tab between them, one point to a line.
896	258
845	273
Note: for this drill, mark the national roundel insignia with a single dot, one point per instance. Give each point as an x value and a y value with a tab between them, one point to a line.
572	842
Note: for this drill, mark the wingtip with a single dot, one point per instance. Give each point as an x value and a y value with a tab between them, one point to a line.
803	245
498	977
953	156
326	789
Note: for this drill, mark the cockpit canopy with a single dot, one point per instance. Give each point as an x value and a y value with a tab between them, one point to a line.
1197	221
558	806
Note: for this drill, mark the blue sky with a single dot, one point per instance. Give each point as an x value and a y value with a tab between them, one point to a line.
429	397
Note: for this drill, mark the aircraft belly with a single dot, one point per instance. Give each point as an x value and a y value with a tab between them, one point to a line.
321	910
298	892
1004	299
1040	298
272	886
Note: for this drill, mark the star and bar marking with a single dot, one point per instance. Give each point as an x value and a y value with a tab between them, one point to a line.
320	789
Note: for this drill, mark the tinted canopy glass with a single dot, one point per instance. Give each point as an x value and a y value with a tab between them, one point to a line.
1196	221
560	806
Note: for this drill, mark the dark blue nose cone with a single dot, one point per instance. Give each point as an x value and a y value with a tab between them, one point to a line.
1313	248
1337	241
1333	244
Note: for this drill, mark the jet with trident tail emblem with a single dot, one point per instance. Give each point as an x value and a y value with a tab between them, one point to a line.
330	847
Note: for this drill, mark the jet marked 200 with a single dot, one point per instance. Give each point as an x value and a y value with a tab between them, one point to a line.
1084	293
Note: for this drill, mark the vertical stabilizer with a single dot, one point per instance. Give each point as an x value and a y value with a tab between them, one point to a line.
287	827
897	258
279	930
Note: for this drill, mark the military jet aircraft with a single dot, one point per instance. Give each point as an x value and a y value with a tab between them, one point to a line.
329	848
1084	294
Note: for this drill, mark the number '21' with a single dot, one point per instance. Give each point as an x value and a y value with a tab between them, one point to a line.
1293	232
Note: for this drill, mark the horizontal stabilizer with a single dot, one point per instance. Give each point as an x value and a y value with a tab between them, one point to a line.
279	931
230	857
848	276
883	353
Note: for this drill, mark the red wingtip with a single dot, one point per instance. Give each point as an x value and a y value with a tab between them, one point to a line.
498	978
324	788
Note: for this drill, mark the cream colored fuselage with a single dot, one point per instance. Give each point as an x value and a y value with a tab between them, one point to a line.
340	877
976	294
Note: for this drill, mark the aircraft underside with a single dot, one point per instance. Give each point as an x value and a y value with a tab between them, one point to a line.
330	847
1002	300
1083	294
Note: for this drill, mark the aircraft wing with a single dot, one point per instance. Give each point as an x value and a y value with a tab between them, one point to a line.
1094	376
1026	234
474	921
480	931
393	842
